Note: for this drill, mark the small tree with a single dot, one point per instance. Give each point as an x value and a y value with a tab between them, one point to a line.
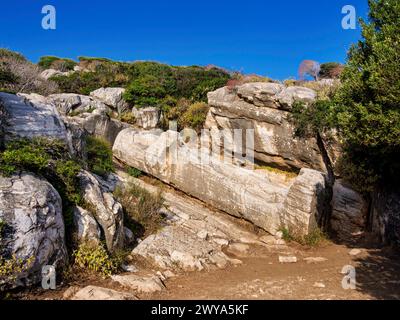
309	67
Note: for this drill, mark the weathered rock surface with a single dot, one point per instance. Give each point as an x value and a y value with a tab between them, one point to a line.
48	73
107	211
145	284
385	217
147	118
86	227
304	205
31	211
112	97
21	118
238	191
349	211
265	108
99	125
191	238
99	293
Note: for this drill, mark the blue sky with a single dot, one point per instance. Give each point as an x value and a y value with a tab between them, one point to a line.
267	37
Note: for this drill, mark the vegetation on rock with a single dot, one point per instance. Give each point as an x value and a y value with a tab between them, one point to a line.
99	154
142	209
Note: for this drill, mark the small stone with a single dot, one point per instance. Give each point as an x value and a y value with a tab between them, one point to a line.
288	259
221	242
268	239
169	274
355	252
203	234
69	293
98	293
240	248
279	235
129	268
319	285
149	284
280	242
315	259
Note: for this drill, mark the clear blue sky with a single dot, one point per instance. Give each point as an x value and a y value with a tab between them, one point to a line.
267	37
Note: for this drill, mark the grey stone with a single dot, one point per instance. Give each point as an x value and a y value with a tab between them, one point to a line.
147	118
99	293
141	284
107	211
349	211
21	118
86	227
31	210
112	97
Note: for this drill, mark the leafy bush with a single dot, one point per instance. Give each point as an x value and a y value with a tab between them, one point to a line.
314	239
127	117
62	64
100	157
94	258
365	110
145	91
133	172
103	74
331	70
142	209
10	268
194	117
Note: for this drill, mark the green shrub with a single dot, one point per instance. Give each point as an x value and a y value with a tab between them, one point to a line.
94	258
51	62
145	91
142	209
313	239
127	117
194	117
133	172
10	268
100	157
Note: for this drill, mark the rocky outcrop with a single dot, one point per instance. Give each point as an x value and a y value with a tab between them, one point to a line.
384	214
70	103
106	210
147	118
48	73
85	226
67	103
304	205
99	125
194	236
265	108
112	97
22	118
238	191
31	212
349	212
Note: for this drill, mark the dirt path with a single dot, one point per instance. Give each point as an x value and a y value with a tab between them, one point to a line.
263	277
